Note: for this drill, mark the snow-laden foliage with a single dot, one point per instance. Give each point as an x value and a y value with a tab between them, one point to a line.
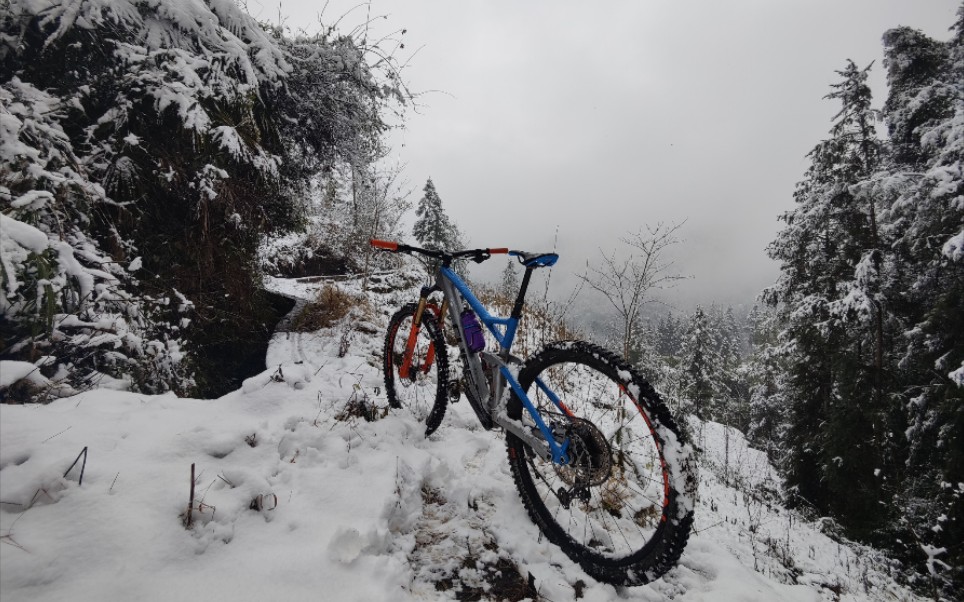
67	304
870	307
168	137
433	229
701	363
927	217
349	206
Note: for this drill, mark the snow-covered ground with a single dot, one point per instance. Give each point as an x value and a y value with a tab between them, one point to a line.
350	509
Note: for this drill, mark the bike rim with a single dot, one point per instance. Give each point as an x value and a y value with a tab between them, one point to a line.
617	514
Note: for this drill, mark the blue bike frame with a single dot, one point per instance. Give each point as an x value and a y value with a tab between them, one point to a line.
505	339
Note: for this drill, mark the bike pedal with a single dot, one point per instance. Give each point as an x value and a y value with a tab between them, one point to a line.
455	391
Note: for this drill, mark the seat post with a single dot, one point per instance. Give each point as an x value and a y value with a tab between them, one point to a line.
520	298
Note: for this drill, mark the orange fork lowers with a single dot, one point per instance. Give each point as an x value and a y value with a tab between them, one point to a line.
404	371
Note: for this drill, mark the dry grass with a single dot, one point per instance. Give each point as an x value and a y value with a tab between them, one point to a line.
331	305
542	322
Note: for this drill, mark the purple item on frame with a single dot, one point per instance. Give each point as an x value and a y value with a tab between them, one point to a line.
474	337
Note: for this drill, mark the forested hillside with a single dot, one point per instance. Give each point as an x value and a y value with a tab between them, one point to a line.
869	366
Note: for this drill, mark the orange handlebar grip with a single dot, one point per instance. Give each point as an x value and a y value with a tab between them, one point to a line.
495	251
384	244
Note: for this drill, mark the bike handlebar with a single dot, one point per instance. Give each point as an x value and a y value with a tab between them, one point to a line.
477	255
384	244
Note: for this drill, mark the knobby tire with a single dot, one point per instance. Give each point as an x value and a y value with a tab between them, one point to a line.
629	526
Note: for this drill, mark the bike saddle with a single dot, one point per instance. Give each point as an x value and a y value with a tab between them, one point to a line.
535	260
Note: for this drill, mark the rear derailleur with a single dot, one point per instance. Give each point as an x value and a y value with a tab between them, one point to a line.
576	492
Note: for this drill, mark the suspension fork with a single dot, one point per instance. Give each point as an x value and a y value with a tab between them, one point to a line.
405	369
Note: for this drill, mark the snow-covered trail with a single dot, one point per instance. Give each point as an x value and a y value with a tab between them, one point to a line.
366	510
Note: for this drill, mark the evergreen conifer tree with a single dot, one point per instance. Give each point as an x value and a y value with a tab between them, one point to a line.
767	415
700	365
433	229
509	286
860	377
925	118
669	335
831	256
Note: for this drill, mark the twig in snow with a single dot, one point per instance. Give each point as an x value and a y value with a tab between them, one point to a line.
57	435
716	524
9	540
190	503
80	480
34	498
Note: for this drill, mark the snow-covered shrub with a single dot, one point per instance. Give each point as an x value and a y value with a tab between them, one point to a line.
154	145
67	304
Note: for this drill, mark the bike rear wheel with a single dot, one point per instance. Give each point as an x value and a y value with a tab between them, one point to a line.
622	507
423	390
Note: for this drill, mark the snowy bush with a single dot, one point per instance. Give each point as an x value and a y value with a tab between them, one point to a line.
147	148
63	296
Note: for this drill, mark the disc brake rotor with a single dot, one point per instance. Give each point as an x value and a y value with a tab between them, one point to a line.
590	457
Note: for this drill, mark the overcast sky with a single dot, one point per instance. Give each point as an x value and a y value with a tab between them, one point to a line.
597	118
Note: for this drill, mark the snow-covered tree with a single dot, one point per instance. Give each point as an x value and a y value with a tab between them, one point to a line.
866	356
767	405
509	285
178	134
925	184
709	367
669	333
700	362
829	302
433	229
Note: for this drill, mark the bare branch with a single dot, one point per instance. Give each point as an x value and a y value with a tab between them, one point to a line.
628	283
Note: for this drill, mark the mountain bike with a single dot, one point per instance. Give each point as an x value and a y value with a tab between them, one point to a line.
601	466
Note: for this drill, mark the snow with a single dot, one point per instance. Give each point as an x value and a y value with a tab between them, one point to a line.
11	371
16	232
954	247
364	510
34	199
958	376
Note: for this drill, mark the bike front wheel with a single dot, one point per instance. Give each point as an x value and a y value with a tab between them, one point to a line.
423	387
623	505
